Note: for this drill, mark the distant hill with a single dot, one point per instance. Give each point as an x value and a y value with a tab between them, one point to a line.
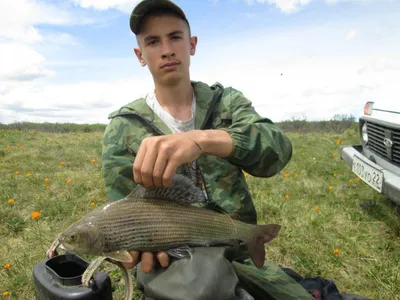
338	124
54	127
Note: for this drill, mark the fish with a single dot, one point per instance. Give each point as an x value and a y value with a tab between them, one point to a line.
162	219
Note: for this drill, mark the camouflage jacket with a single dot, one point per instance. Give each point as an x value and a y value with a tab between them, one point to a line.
260	148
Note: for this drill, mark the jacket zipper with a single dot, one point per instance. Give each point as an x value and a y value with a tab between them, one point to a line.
212	106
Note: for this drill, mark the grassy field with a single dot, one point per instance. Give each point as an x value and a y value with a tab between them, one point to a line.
328	228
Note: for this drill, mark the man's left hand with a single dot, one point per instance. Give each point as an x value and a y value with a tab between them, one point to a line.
158	157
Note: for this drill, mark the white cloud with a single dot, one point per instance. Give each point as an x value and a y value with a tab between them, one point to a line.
351	35
280	88
19	62
124	6
292	6
19	59
18	17
287	6
330	2
76	102
321	74
317	88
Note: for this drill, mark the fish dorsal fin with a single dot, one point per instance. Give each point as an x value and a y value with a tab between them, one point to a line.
182	190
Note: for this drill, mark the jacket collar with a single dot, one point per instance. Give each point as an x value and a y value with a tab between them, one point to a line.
204	100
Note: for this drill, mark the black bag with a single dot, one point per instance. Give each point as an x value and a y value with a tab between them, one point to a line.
321	288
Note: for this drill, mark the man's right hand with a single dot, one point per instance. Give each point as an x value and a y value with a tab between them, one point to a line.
147	259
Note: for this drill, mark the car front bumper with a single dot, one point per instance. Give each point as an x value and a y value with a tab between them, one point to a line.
391	182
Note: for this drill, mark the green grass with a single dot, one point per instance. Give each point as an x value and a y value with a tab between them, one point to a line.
367	236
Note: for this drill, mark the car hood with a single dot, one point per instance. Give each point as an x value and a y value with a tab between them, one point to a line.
387	105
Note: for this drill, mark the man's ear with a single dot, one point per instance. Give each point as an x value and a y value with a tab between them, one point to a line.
193	44
139	56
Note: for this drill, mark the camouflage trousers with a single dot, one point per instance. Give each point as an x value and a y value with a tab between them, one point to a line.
270	282
209	274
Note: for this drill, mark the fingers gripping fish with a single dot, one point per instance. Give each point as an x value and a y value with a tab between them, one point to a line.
152	220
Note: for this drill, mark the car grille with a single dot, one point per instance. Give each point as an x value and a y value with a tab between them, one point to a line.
376	134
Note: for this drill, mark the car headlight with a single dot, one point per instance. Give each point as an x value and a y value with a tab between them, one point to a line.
364	133
368	108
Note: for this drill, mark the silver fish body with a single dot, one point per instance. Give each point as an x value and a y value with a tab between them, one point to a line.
147	221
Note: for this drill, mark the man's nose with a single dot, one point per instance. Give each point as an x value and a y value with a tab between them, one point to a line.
167	50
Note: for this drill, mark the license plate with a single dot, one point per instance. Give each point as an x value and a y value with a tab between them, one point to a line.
370	175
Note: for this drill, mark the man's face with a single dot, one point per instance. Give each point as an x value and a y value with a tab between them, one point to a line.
165	47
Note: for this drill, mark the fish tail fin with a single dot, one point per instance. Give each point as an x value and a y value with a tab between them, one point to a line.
261	234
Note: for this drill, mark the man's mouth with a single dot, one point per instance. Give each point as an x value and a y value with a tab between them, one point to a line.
168	65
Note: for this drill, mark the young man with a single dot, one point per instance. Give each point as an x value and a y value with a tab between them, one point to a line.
211	134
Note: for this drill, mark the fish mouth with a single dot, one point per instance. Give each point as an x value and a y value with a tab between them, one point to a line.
62	247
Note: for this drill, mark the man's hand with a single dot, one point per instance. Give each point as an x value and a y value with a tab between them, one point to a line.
147	259
158	157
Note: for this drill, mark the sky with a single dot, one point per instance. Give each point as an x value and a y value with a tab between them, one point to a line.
73	60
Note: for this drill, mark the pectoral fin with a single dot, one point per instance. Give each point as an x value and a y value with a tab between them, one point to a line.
91	270
183	252
122	256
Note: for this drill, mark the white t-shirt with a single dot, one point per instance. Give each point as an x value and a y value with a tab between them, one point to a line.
178	126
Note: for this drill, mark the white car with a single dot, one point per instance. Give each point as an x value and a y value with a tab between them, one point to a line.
377	159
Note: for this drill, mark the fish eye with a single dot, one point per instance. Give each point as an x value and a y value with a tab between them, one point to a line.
72	236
